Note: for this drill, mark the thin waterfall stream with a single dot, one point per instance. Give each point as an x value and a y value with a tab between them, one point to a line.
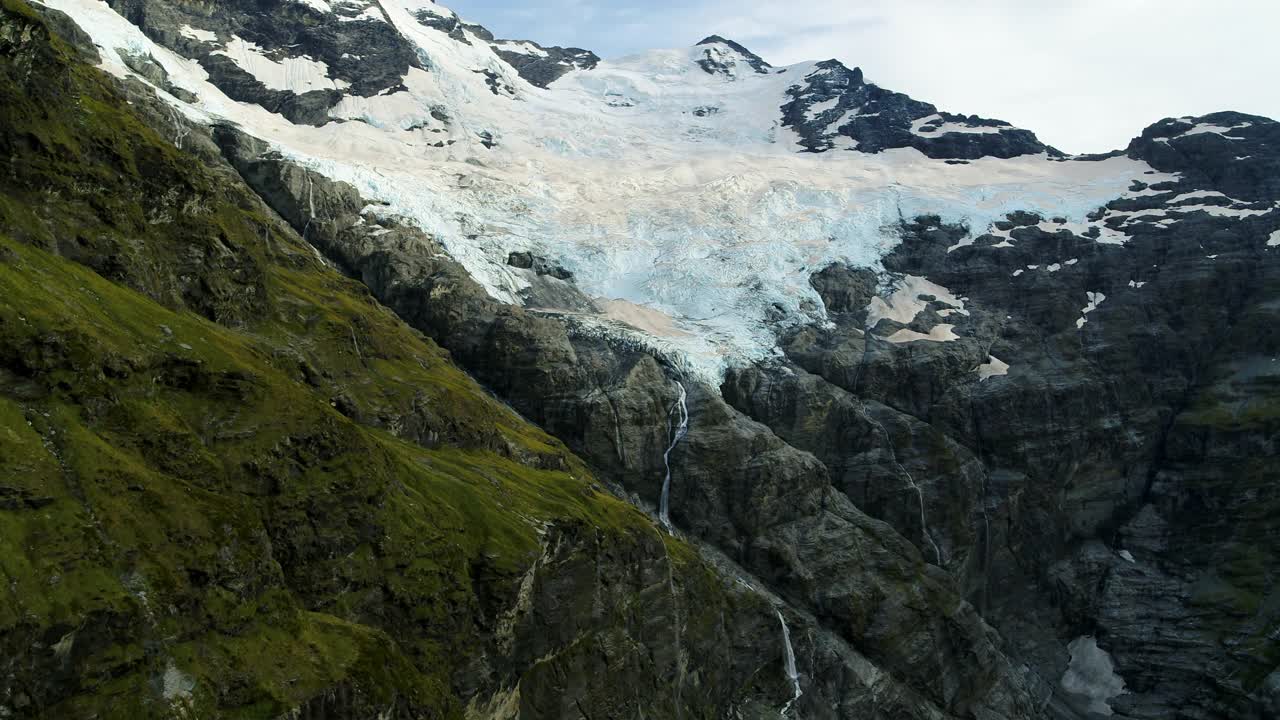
790	666
682	429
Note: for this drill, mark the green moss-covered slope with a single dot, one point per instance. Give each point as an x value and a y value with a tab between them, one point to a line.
232	485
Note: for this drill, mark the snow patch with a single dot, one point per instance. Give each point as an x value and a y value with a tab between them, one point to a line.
410	108
373	12
294	74
192	33
521	47
1128	556
993	367
845	119
1220	211
917	127
818	108
1203	128
1091	676
1196	195
1095	299
319	5
1274	241
905	303
938	333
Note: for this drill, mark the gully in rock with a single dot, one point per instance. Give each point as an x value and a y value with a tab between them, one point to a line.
790	666
682	429
924	522
311	204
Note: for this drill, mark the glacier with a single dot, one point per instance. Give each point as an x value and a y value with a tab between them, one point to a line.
657	184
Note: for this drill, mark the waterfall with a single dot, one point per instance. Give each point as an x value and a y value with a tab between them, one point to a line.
311	203
180	131
924	522
682	429
311	195
792	674
893	455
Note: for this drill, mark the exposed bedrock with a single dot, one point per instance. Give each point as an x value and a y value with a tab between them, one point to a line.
1105	476
737	486
1096	399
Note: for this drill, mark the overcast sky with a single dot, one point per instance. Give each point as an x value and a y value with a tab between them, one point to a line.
1085	75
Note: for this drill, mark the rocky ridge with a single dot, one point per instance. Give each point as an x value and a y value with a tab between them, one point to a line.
836	108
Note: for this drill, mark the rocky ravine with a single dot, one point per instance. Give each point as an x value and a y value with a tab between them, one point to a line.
1069	509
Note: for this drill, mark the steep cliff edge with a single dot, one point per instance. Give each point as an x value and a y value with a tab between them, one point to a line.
232	485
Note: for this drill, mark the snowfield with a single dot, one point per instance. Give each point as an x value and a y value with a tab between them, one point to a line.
655	183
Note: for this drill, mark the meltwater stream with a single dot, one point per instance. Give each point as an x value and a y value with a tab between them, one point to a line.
682	429
792	674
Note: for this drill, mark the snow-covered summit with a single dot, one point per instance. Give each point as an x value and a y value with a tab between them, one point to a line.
699	186
726	57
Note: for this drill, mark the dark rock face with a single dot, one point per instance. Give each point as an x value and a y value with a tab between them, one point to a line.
1112	483
835	102
450	24
1231	152
539	265
538	64
768	507
845	290
365	53
545	64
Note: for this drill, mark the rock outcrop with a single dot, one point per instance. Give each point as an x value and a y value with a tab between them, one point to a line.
835	105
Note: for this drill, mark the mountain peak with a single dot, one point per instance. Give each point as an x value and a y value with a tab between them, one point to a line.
722	60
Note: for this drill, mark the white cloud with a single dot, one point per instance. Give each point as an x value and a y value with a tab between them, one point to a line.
1085	75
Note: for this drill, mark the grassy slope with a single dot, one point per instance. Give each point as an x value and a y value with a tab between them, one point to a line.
203	507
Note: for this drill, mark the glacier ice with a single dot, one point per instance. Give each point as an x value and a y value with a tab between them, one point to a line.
711	219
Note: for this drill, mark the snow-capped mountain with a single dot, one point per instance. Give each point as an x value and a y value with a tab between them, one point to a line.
988	429
696	188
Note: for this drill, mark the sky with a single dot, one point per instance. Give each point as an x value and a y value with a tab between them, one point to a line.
1084	75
